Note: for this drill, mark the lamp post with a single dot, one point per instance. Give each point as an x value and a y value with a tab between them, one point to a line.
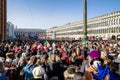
85	21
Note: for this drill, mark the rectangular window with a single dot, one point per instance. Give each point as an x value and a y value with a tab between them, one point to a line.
119	21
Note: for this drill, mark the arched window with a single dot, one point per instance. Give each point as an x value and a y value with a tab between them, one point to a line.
116	29
112	30
105	30
101	30
119	29
112	22
117	21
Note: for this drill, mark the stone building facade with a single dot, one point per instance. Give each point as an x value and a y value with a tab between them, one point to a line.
104	26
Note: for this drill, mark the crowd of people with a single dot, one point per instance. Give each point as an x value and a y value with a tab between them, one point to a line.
59	60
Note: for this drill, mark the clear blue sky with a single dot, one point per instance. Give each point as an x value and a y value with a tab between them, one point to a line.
44	14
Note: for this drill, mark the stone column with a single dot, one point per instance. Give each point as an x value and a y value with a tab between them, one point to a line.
85	20
3	19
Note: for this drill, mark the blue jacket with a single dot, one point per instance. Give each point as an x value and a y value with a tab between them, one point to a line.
3	76
28	70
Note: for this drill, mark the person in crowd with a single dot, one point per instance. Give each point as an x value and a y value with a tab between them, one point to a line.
70	72
118	58
10	69
114	68
56	59
54	68
38	72
86	63
80	57
78	76
2	72
2	59
44	60
21	63
73	57
96	68
27	70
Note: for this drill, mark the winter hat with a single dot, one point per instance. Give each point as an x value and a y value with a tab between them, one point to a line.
9	60
2	59
70	72
38	72
95	54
